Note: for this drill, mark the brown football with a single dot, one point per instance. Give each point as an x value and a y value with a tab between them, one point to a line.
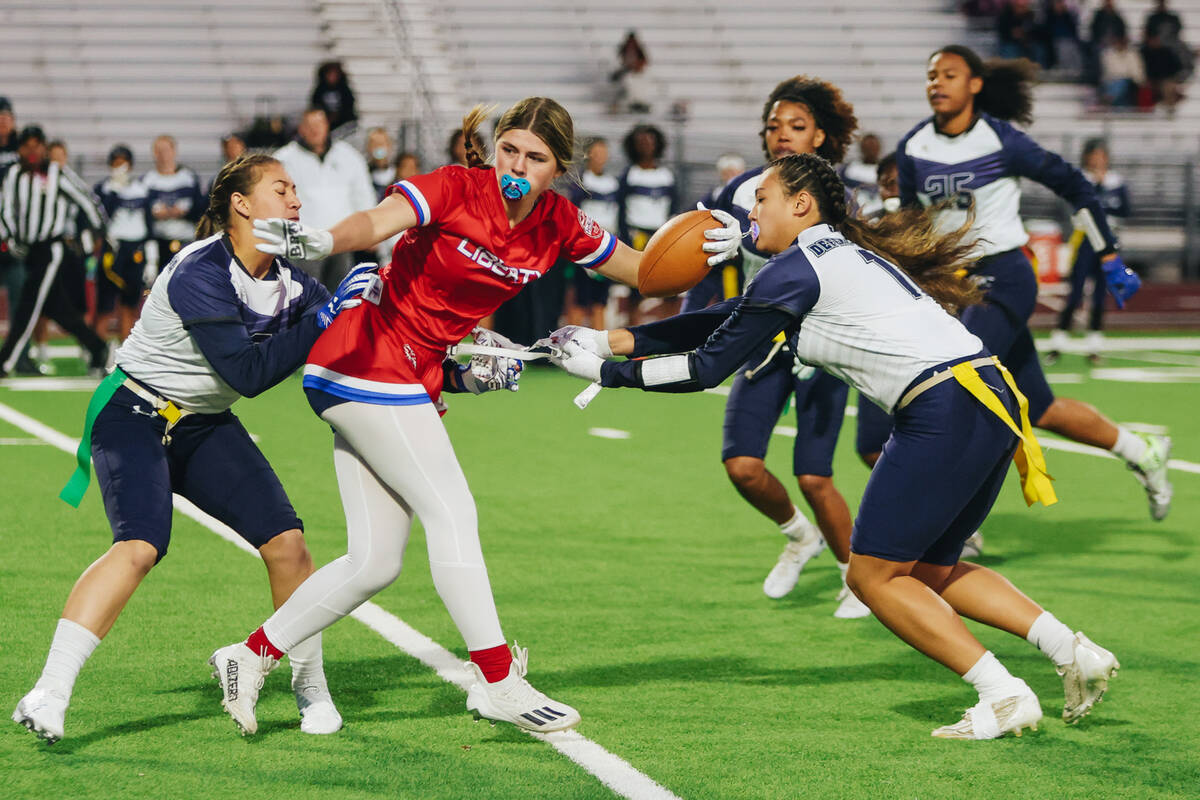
673	260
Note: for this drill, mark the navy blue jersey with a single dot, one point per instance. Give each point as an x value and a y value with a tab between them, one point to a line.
983	165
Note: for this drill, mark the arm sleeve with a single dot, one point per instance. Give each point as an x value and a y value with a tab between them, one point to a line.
584	242
206	303
1028	159
428	194
778	299
253	367
680	332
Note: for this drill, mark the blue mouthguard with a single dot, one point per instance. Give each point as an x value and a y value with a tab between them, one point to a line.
514	188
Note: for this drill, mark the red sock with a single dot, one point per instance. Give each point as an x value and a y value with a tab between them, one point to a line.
259	643
493	662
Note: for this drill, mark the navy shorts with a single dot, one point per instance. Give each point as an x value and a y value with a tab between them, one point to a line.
122	278
1001	321
939	474
590	290
210	461
754	407
874	427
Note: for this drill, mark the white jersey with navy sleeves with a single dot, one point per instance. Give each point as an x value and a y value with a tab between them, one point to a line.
985	163
845	309
128	207
597	196
870	325
180	189
205	283
647	198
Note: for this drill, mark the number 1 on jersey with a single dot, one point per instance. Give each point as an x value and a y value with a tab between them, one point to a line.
891	269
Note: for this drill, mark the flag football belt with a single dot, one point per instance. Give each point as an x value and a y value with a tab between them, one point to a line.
499	352
78	483
1031	463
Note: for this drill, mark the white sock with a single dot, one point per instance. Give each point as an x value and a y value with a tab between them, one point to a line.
843	568
1052	638
71	647
992	680
308	663
797	526
1129	446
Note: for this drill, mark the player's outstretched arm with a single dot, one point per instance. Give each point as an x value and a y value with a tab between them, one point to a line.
361	230
623	265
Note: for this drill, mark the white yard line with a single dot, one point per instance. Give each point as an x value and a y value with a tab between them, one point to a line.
611	770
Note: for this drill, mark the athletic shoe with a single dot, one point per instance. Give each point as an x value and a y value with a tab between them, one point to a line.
991	720
796	553
849	606
1151	473
1086	678
973	546
318	714
514	700
43	713
241	673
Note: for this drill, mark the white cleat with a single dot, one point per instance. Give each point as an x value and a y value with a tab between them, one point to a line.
849	606
796	553
514	700
43	713
1085	680
973	546
241	673
991	720
318	714
1151	473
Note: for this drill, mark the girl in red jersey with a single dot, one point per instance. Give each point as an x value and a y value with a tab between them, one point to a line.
473	237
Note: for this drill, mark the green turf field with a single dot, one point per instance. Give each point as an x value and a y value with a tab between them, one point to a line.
633	573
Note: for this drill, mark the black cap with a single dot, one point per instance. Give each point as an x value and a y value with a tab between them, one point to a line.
120	151
31	132
5	105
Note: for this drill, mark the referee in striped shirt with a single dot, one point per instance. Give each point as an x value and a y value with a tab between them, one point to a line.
38	199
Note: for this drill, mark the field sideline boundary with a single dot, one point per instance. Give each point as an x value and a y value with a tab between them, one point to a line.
611	770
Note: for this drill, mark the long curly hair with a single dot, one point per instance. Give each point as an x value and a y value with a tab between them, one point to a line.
832	113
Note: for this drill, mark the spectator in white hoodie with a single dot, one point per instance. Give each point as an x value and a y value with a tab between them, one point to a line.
332	181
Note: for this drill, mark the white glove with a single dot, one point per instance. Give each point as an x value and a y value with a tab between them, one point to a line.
579	361
590	339
490	373
724	241
282	237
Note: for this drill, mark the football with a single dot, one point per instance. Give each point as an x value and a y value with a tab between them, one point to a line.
673	260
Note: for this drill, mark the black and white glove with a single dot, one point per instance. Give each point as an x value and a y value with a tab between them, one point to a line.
283	237
590	339
490	373
578	361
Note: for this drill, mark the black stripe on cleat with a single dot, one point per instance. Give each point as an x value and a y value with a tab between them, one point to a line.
533	719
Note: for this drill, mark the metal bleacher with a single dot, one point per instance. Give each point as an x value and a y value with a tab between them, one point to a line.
96	72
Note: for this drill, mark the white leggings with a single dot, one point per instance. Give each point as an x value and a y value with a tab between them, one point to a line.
393	462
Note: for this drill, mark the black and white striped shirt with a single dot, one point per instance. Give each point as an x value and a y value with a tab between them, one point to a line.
38	206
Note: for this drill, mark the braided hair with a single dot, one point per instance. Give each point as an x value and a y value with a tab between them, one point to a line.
831	112
237	177
908	238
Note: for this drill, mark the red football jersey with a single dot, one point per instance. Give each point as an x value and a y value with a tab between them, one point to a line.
452	270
